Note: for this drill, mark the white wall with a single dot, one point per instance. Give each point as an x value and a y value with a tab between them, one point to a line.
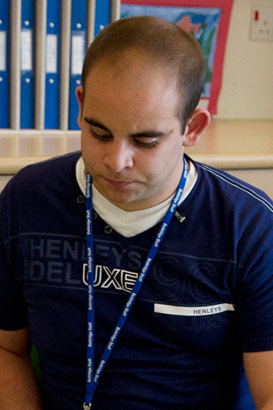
247	90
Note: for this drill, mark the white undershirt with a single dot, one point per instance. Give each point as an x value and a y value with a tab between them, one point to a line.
131	223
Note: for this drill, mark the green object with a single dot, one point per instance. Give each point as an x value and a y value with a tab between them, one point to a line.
35	362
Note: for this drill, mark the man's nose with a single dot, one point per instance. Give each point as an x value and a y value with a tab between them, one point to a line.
119	156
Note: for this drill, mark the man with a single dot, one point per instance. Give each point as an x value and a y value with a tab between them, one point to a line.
183	309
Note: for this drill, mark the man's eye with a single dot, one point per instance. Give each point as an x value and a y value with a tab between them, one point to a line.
100	137
143	143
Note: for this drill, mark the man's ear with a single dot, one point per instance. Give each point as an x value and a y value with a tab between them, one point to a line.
196	125
79	95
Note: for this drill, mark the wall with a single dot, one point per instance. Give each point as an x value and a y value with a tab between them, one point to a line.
247	90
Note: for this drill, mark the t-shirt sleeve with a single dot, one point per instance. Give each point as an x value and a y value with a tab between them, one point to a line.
12	306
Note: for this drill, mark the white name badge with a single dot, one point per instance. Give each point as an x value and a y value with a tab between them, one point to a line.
193	310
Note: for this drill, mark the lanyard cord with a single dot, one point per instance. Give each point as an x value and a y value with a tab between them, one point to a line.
91	379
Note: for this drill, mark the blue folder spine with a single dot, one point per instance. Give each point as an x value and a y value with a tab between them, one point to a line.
102	15
77	53
52	77
4	63
27	65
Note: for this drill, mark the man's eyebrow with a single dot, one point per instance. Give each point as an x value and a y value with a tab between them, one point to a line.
96	123
148	134
142	134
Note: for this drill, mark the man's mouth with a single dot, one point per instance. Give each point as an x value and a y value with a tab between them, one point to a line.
118	183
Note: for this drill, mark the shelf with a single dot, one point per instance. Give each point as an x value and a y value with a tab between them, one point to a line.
227	144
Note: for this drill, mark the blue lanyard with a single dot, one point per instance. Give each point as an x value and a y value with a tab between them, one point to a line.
91	379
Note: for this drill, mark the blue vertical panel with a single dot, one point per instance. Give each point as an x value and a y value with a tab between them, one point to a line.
102	15
52	80
77	48
27	65
4	64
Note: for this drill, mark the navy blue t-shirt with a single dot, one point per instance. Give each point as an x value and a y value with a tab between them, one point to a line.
207	298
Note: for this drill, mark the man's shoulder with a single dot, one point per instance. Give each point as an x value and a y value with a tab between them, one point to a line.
48	171
231	190
56	164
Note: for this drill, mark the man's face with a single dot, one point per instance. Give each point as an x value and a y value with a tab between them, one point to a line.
131	135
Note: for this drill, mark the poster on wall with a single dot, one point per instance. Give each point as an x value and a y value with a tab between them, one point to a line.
206	20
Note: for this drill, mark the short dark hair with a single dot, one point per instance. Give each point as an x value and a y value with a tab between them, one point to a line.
164	42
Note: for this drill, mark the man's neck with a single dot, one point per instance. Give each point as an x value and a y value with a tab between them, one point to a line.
131	223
